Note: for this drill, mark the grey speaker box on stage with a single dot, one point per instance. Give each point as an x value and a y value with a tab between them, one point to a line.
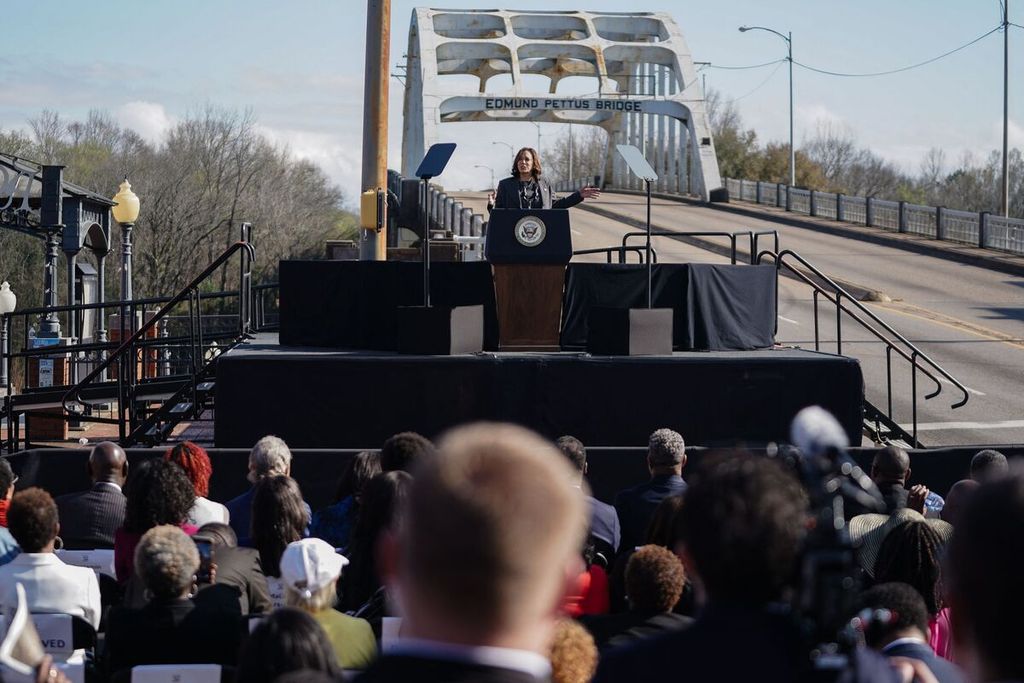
629	331
440	330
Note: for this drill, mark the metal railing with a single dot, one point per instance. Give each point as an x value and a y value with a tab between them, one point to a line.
845	303
966	227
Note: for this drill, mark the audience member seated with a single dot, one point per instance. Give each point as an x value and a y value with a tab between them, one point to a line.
911	554
50	585
654	582
660	532
905	633
982	579
403	450
987	465
360	583
278	518
868	532
289	640
573	653
8	546
590	592
956	500
171	628
90	518
482	560
158	493
309	570
270	457
196	463
334	523
239	583
666	458
740	533
604	521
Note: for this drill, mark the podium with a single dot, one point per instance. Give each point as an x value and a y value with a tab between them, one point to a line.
528	250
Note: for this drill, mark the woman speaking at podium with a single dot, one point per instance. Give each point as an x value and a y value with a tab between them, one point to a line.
527	190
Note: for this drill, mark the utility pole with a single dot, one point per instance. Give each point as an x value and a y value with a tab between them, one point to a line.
571	177
1006	108
373	245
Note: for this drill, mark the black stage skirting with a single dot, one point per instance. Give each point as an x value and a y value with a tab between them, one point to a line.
62	470
319	398
351	304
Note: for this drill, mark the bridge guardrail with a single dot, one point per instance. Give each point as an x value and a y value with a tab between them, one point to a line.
966	227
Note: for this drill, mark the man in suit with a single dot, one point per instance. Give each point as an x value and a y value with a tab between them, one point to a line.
906	632
604	521
270	457
487	552
666	458
240	585
88	519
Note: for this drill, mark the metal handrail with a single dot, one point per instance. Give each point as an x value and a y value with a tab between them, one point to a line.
640	252
914	356
695	233
191	293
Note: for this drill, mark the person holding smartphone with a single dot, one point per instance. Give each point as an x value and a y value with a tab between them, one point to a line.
526	189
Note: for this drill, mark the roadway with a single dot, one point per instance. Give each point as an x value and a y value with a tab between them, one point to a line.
969	319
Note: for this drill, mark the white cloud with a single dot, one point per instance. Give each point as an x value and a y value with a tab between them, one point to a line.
340	156
148	119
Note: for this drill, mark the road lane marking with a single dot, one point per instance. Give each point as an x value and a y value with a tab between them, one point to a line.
936	426
789	320
920	313
969	390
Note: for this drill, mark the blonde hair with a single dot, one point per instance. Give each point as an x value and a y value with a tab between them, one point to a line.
166	560
573	653
491	527
311	601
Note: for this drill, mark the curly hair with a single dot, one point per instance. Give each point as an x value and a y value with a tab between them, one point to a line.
196	463
32	519
573	653
278	518
666	447
535	169
654	579
911	554
158	492
403	450
166	561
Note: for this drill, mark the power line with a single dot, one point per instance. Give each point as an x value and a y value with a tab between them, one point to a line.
905	68
752	66
762	83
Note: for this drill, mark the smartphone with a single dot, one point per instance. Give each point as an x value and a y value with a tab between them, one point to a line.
205	549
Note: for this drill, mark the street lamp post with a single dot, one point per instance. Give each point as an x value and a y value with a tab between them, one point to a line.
126	212
8	301
489	169
511	152
789	58
538	136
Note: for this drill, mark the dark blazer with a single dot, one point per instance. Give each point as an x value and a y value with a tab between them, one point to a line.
614	630
241	586
402	669
944	670
171	632
88	519
507	196
604	523
636	505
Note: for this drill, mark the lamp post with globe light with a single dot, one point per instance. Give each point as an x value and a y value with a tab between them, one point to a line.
8	302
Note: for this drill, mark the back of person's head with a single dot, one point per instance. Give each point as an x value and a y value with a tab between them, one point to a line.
108	462
492	534
364	466
662	528
403	450
741	528
987	465
310	568
908	613
270	457
278	518
982	579
158	492
666	448
166	561
654	579
956	500
6	478
219	534
573	449
572	653
891	465
380	511
32	519
193	459
287	640
911	554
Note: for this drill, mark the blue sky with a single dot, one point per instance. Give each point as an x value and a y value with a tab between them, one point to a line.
299	66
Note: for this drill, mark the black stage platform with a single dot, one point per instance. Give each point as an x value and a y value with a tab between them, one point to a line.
326	398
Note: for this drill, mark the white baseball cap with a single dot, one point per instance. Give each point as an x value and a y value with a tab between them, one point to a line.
310	564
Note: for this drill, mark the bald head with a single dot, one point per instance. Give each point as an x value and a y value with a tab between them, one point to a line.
108	463
957	497
891	466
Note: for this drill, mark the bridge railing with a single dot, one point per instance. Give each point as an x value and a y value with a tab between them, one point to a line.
980	229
